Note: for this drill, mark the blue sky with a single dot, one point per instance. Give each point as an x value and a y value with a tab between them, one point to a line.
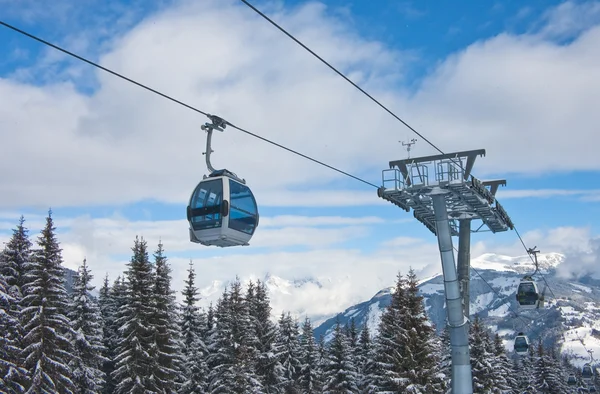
114	161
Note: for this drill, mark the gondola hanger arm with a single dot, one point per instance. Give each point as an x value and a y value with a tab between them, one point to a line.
217	123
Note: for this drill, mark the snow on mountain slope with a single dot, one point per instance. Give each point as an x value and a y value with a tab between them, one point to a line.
573	315
520	264
574	311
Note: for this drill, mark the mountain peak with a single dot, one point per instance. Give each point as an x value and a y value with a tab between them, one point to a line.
520	264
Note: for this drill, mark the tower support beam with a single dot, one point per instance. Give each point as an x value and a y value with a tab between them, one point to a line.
464	262
462	381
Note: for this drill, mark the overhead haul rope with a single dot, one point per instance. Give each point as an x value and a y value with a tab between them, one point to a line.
334	69
213	117
188	106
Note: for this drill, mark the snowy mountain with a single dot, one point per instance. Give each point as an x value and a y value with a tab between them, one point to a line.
571	313
283	293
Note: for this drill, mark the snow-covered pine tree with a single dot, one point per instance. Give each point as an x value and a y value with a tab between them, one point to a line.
322	360
193	350
210	323
14	260
107	312
230	358
503	366
352	333
310	371
86	320
481	358
486	367
10	369
268	367
340	372
165	325
548	379
363	356
419	361
47	349
445	358
386	372
111	300
134	360
524	369
288	347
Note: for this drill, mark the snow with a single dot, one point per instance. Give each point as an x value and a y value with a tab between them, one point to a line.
521	264
502	310
573	345
581	287
481	302
569	313
373	318
506	285
351	313
431	288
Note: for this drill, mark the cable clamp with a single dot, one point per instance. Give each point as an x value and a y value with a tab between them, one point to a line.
218	123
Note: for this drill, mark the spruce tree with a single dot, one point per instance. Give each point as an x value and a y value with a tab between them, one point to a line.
322	360
86	320
15	258
363	358
352	333
386	372
310	373
47	348
503	366
263	339
419	361
134	362
481	358
230	358
340	371
289	353
107	312
524	371
548	379
193	350
111	300
164	323
10	370
14	262
445	358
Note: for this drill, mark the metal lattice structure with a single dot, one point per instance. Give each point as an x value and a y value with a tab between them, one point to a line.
447	204
408	184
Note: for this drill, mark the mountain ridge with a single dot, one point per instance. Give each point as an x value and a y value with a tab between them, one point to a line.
571	314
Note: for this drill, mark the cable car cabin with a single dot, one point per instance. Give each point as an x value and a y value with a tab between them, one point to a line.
572	380
586	372
521	345
527	294
222	211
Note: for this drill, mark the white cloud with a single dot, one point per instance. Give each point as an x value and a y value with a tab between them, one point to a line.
568	19
295	220
340	275
123	144
513	95
318	198
582	261
585	195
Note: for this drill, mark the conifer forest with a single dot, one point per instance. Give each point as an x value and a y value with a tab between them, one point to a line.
135	338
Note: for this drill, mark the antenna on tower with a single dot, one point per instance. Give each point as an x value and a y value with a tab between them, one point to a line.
408	145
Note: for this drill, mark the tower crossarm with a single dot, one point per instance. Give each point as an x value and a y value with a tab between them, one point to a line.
408	184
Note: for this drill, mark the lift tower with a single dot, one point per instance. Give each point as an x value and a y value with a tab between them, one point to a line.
447	204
